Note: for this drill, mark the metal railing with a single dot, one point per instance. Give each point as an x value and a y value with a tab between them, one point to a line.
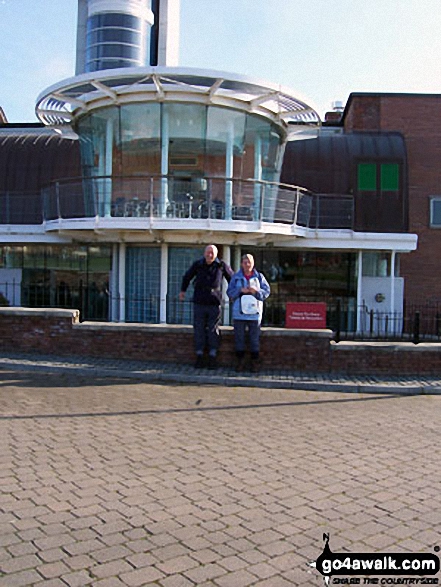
416	323
166	197
21	208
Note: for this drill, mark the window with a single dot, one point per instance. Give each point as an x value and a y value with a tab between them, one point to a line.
368	175
435	212
389	181
376	264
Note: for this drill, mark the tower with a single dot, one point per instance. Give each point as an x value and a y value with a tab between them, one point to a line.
126	33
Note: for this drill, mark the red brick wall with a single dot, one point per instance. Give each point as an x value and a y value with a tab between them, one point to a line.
364	114
58	332
418	118
388	359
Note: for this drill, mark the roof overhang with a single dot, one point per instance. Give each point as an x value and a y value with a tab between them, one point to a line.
61	104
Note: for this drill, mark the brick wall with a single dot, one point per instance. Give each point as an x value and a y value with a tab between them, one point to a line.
418	118
377	358
59	332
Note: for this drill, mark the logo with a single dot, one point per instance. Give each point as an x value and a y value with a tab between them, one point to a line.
330	564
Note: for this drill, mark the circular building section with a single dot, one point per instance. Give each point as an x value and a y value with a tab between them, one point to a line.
180	143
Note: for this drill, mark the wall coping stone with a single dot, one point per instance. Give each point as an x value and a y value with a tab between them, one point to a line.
42	312
386	346
188	328
153	328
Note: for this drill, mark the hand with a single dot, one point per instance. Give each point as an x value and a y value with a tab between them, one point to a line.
252	290
245	290
181	296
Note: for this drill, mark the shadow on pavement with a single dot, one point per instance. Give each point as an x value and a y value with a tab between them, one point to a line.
200	409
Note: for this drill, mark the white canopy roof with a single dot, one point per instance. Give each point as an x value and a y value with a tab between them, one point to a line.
61	103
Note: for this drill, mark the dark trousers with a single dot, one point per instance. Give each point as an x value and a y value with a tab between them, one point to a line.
240	328
206	321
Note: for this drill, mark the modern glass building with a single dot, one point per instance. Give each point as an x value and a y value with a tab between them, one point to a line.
165	160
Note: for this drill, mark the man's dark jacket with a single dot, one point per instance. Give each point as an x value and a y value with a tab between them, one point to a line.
208	281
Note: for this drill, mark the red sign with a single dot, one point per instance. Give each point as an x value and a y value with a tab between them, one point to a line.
305	315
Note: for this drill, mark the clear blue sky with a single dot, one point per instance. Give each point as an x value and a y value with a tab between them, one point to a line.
322	49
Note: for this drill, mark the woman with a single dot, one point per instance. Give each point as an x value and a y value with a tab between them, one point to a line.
247	289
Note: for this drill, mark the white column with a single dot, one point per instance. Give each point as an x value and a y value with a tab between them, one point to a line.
169	26
114	287
392	284
164	161
237	256
359	290
229	170
227	258
104	208
258	176
122	281
163	284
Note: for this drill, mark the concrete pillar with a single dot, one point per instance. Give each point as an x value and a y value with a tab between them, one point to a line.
164	161
122	281
163	284
114	285
229	171
226	311
237	256
359	290
105	205
257	176
392	283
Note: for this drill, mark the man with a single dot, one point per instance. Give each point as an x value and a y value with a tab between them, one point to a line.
207	274
247	289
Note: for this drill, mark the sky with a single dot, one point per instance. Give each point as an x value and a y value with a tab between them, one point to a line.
320	49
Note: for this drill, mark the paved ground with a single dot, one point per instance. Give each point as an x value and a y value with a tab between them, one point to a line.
112	481
182	373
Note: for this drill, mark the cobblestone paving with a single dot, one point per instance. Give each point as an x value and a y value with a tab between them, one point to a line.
116	482
184	373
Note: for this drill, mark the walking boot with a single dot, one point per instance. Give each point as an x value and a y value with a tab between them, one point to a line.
212	363
240	361
199	362
255	367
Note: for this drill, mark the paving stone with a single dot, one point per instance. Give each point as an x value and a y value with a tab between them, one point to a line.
157	491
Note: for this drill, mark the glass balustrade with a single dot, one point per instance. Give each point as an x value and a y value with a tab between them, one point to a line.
170	198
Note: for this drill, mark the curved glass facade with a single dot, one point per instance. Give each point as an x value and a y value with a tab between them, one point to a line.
185	144
116	40
143	139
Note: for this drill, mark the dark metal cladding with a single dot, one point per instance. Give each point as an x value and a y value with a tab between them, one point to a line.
328	165
31	161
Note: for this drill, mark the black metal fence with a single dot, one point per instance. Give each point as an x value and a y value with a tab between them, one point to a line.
415	323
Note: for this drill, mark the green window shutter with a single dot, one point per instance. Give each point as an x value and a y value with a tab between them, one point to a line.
390	177
367	177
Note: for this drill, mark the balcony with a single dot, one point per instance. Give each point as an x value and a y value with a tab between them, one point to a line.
170	198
